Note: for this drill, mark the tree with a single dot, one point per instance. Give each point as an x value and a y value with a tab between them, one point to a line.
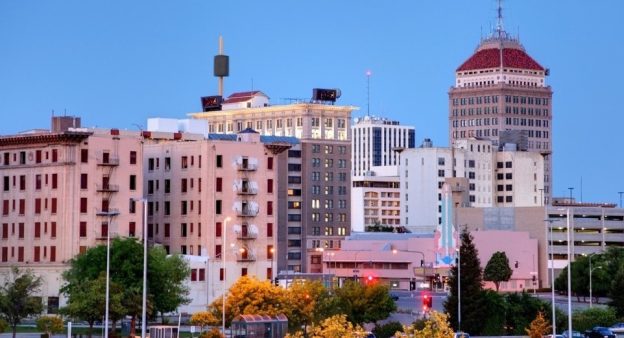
586	319
497	269
17	300
471	288
250	296
616	294
50	325
3	325
203	319
539	326
364	303
304	304
387	330
87	301
166	277
165	287
437	326
336	326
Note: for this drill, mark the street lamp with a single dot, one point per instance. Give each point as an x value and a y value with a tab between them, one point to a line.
590	279
144	302
552	275
569	238
459	288
223	250
110	215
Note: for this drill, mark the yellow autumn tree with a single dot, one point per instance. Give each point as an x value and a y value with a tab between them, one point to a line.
302	305
250	296
538	327
204	318
437	326
336	326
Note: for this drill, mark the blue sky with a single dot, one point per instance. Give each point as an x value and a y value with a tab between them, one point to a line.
115	63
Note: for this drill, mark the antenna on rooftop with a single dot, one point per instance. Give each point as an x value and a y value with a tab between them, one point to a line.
221	65
499	19
368	75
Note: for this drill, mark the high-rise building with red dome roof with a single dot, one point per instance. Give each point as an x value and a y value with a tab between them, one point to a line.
500	93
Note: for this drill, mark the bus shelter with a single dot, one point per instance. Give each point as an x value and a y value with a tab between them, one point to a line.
259	326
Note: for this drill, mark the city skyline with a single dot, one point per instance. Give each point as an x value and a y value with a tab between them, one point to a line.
117	64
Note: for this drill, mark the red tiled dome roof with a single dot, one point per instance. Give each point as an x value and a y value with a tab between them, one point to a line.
490	58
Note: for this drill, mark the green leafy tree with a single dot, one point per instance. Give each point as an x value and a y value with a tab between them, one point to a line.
50	325
17	297
494	309
387	330
616	294
497	269
471	288
303	304
364	303
166	277
87	301
586	319
126	271
3	325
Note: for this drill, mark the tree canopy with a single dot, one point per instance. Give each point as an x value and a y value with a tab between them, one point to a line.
497	269
17	297
471	288
166	290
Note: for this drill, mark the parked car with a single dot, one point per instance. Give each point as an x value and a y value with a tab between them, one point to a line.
617	328
575	334
556	336
461	334
599	332
394	296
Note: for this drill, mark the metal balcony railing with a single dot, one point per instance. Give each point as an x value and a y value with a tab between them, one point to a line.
107	187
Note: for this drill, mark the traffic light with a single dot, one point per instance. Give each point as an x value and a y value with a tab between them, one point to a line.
370	279
276	281
516	265
534	278
412	285
427	302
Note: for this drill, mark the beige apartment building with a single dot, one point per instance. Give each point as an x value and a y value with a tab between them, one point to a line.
314	204
63	189
215	197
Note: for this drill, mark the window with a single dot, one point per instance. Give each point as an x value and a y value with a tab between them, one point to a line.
270	163
132	184
269	229
183	230
219	184
7	181
133	157
83	229
22	182
184	162
270	186
508	164
53	229
219	161
167	186
20	229
269	208
53	205
167	163
84	180
183	207
54	181
441	173
83	205
218	207
131	229
54	155
37	229
183	185
508	199
84	155
150	164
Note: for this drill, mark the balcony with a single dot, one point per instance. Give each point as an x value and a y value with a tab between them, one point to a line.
246	235
246	212
246	190
245	165
107	188
245	257
107	212
106	159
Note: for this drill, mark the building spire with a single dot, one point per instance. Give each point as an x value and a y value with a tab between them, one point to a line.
500	28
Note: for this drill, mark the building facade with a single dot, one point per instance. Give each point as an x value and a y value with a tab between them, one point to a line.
375	140
315	203
63	190
376	199
494	178
215	197
500	93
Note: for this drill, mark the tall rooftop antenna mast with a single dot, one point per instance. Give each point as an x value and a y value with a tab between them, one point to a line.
500	31
368	75
221	65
